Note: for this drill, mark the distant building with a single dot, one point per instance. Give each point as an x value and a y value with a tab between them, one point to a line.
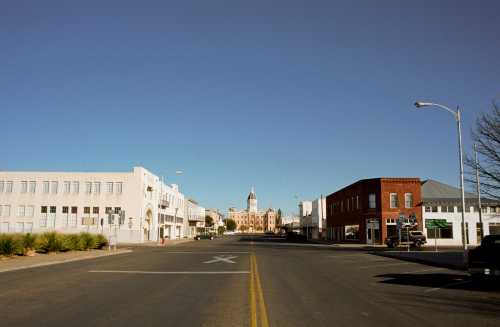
216	218
367	211
443	202
251	220
313	218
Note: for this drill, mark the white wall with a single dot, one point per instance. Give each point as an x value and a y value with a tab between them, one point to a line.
456	219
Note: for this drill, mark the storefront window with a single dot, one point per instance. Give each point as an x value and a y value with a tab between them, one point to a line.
446	232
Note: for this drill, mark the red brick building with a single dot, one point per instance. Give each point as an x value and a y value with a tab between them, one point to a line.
367	211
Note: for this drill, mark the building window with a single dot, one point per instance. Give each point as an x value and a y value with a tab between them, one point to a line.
21	210
97	187
65	210
2	186
448	209
9	186
86	210
108	210
53	187
438	233
74	210
394	200
53	209
76	187
30	211
408	200
5	211
95	210
88	187
67	187
119	187
45	186
110	187
434	209
32	187
117	210
24	187
372	201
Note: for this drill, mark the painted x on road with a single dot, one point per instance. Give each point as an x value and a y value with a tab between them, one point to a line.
222	258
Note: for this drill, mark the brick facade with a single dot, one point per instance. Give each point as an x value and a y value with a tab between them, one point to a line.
351	207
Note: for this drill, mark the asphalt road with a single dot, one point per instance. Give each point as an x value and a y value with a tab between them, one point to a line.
243	282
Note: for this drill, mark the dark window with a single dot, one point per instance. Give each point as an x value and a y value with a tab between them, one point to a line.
108	210
446	232
117	210
65	209
43	210
74	210
434	209
52	209
95	210
86	210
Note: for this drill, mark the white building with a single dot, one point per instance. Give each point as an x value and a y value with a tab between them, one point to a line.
71	202
313	218
195	215
443	202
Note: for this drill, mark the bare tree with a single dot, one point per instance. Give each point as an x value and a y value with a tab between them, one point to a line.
487	137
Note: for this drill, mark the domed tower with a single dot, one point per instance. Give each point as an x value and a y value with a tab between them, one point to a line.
252	201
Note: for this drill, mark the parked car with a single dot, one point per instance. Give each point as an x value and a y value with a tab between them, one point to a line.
484	261
204	237
416	239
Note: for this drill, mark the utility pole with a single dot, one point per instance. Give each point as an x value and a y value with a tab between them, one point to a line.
478	186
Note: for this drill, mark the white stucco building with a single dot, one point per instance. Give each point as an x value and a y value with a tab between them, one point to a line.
313	218
443	202
195	218
71	202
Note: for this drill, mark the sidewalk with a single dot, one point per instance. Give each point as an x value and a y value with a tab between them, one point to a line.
40	260
446	259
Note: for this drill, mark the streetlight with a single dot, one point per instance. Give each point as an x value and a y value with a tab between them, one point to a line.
457	115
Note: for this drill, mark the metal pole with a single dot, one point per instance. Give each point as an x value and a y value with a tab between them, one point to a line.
478	186
459	126
436	231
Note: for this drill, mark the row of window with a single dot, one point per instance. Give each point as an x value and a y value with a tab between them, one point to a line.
353	202
68	187
27	211
458	209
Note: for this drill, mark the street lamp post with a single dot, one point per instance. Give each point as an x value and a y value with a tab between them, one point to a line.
457	115
478	187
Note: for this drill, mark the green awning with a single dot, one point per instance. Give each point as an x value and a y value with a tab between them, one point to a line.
436	223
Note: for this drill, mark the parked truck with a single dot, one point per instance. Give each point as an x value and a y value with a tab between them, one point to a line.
484	261
412	238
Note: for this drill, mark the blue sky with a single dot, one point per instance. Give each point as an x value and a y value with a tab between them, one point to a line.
294	97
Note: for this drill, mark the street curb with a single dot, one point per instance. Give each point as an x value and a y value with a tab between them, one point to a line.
52	263
421	261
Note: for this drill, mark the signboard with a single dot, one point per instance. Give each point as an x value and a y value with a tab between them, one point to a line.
436	223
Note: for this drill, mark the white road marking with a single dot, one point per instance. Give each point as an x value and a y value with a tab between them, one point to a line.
198	252
387	265
222	258
446	286
140	272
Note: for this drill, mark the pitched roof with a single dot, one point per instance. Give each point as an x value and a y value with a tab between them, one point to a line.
434	191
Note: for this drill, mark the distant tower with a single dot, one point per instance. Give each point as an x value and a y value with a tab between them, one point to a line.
252	202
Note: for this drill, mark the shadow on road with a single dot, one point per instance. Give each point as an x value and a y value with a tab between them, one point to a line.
442	281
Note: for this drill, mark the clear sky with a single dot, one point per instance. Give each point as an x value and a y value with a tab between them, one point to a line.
298	98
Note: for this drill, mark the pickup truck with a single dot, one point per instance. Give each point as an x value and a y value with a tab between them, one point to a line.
484	261
417	239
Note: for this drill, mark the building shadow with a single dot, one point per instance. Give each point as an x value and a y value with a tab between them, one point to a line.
442	281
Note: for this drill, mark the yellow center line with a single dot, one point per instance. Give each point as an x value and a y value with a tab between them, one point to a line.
256	287
251	292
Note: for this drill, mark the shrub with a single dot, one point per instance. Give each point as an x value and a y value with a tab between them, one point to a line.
48	242
71	242
87	241
29	241
10	245
100	241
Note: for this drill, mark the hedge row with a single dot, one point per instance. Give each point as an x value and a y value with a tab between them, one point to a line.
21	244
